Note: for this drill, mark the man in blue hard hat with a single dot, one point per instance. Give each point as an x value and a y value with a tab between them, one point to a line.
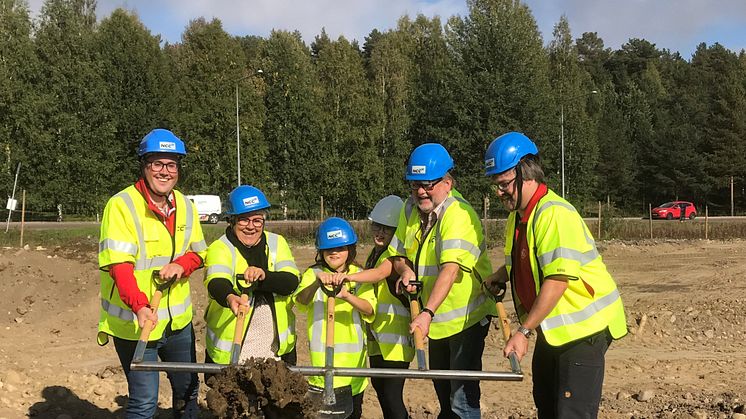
151	240
440	236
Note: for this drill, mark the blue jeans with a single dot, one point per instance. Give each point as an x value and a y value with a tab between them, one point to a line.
462	351
177	346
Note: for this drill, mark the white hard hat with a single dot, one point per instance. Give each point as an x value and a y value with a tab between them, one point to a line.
387	211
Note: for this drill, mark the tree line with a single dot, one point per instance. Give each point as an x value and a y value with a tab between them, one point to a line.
338	119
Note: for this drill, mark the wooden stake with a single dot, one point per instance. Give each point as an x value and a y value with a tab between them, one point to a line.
650	218
23	214
707	223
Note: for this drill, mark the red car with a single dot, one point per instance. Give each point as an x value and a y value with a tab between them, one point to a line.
672	210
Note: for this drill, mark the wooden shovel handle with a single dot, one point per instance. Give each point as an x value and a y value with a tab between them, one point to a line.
330	304
504	322
240	319
148	326
414	310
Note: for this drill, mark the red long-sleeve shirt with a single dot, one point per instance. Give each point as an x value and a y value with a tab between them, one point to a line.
124	273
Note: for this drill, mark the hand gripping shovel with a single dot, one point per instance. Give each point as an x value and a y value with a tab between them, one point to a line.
155	301
515	365
336	402
240	320
414	310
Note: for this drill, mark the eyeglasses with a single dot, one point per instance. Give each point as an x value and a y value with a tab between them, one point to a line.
157	166
502	186
256	222
427	186
380	228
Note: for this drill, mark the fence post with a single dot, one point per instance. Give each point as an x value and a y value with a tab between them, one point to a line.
599	220
650	218
23	214
485	210
321	208
707	223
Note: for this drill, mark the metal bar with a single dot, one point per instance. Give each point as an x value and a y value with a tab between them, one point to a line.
344	372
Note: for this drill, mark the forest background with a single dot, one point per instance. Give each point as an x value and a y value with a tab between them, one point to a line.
338	119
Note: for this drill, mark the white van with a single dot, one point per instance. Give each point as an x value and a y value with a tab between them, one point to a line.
209	207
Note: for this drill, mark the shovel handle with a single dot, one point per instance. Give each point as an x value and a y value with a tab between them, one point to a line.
240	319
419	339
504	322
148	326
330	305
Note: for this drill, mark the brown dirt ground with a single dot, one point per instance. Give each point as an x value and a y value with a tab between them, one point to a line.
685	358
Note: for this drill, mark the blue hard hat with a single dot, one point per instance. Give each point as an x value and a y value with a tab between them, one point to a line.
506	151
161	141
334	232
429	161
245	199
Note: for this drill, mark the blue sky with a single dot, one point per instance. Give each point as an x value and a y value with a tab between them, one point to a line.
679	25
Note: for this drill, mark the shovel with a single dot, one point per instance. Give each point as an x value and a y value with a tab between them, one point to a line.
336	402
240	320
155	301
515	365
419	339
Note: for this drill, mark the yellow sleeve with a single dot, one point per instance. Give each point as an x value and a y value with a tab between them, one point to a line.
118	239
367	292
218	263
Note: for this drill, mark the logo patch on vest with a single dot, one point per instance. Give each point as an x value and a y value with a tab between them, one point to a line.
334	234
419	170
252	200
167	145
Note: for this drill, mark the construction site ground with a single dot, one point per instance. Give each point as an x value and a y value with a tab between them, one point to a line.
684	357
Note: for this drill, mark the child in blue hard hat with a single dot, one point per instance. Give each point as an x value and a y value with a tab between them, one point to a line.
336	250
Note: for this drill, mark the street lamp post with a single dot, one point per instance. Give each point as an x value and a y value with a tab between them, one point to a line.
562	136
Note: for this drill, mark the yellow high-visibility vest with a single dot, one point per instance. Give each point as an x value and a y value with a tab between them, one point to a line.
457	237
131	233
389	333
349	335
225	261
560	243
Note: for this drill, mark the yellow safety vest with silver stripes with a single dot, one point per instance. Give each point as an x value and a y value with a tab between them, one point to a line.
225	261
457	237
389	333
131	233
349	336
566	247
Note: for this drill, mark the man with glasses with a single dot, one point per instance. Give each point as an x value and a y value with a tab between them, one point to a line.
151	240
560	285
249	260
439	240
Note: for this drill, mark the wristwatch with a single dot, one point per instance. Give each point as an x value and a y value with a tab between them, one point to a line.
525	332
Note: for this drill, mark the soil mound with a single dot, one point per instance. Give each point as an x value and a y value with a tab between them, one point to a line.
260	388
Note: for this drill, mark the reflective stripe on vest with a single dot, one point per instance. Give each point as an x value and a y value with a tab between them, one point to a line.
163	313
116	245
219	269
318	344
395	309
392	338
447	316
579	316
223	345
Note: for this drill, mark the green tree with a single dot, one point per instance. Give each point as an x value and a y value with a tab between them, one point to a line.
74	155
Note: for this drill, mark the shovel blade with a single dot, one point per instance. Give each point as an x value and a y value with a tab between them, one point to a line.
339	410
139	351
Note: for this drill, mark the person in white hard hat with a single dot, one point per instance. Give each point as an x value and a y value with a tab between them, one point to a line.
390	344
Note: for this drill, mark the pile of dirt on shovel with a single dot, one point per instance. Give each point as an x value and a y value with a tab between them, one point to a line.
260	388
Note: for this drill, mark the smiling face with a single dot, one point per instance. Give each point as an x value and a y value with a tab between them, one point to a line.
336	258
382	234
504	185
428	195
161	172
249	227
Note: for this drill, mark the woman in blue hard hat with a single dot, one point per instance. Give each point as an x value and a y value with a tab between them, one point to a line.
269	278
151	239
336	250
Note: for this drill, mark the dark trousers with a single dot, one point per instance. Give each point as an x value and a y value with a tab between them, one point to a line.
390	390
568	378
462	351
357	406
177	346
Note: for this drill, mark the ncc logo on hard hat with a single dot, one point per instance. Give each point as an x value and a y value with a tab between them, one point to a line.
334	234
489	163
167	145
419	170
252	200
